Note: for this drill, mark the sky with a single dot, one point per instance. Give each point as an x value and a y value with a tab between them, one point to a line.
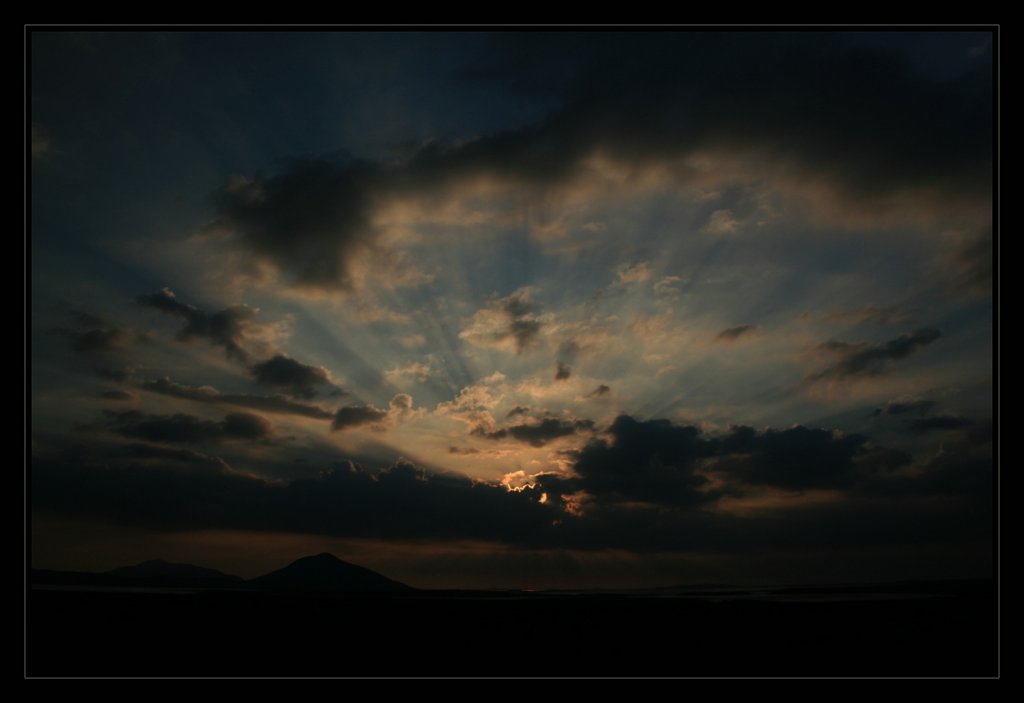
514	309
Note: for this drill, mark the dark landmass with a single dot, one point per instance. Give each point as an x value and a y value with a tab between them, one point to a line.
936	629
326	572
110	579
157	568
323	572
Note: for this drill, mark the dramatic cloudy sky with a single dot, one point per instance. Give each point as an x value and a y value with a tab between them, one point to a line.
514	309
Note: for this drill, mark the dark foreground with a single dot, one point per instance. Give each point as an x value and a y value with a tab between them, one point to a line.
951	632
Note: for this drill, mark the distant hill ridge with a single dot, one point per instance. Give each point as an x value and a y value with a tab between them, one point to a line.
322	572
157	568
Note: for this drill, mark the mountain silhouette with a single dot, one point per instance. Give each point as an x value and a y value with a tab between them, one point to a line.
325	572
148	574
159	569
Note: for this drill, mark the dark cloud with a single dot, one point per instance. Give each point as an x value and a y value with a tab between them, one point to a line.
866	360
356	415
733	333
295	378
85	318
523	326
246	426
525	332
871	313
95	335
519	305
518	410
646	488
463	451
795	458
401	501
99	340
905	407
918	418
862	119
864	116
117	395
167	302
185	428
973	264
879	462
657	462
938	423
206	394
962	468
837	347
538	434
980	434
165	454
115	373
227	328
600	391
651	461
309	221
567	352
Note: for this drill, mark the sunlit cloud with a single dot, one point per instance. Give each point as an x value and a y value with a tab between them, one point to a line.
668	287
513	323
207	394
412	341
722	222
633	273
236	328
400	408
415	371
